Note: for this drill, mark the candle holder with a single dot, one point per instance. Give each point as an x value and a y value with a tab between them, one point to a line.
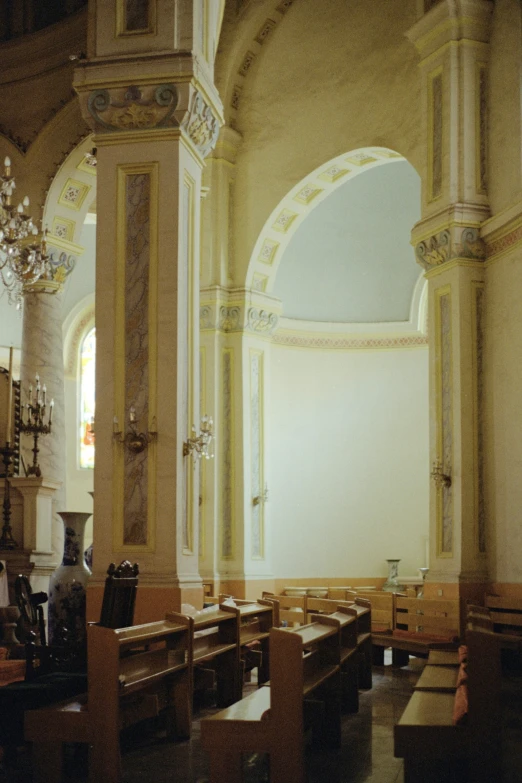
6	539
35	424
135	441
198	445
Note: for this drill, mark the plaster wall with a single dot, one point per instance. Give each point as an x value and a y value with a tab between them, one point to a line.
347	461
356	94
503	423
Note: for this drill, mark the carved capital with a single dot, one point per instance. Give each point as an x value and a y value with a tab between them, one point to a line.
448	244
201	125
229	319
132	107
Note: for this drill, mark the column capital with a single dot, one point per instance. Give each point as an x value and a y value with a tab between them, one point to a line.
450	234
451	20
133	101
238	310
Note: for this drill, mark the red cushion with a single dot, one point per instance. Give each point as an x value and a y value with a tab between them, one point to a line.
460	706
423	637
463	674
463	653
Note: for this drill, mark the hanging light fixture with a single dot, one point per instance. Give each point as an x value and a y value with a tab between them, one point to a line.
23	255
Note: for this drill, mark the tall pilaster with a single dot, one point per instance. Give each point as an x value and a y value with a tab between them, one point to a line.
42	354
452	39
146	90
236	329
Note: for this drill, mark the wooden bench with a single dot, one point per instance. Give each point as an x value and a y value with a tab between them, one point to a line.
290	611
419	625
304	670
435	746
506	613
215	652
133	673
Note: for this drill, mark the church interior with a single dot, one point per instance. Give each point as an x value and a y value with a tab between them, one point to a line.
259	331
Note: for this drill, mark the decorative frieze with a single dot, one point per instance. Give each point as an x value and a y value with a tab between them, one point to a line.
435	140
133	108
261	321
201	125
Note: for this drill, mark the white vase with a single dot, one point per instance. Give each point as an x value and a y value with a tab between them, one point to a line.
392	583
67	586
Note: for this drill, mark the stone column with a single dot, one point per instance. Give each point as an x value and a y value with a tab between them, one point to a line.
152	132
236	328
453	43
42	354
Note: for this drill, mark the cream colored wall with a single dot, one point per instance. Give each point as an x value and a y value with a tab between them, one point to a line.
347	461
79	481
505	106
358	91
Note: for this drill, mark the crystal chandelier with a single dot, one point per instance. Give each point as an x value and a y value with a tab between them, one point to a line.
23	257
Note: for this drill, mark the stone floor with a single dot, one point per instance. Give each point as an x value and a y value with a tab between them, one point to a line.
366	754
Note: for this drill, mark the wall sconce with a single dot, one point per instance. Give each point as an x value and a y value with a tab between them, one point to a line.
198	445
134	440
261	498
440	478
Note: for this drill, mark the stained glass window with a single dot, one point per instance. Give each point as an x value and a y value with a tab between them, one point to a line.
87	393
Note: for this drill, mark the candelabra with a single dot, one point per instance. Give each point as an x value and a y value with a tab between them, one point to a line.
440	478
6	539
261	498
22	262
134	440
35	424
198	445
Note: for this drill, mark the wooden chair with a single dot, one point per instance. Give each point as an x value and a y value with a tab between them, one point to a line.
119	596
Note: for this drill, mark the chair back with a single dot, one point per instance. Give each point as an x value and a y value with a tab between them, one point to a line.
119	595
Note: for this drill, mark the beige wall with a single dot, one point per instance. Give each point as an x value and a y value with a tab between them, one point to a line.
299	110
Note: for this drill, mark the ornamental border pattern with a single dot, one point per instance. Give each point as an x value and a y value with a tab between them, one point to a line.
504	243
349	343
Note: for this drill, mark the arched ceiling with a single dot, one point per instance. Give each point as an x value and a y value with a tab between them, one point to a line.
350	260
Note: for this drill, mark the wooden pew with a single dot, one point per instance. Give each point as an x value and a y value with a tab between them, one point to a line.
255	619
420	625
215	650
506	613
430	740
304	665
133	673
291	609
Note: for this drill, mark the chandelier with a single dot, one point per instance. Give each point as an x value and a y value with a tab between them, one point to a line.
23	257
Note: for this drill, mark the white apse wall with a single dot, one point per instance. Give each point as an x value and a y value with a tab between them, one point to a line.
347	461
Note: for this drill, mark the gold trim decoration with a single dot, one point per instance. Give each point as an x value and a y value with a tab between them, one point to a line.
284	220
63	228
202	521
227	458
435	134
481	129
256	440
268	251
333	173
135	355
73	194
477	336
307	194
444	407
260	282
361	159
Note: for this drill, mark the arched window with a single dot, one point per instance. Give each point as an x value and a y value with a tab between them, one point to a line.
87	397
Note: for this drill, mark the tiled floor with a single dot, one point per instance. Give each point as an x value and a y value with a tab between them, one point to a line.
365	756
